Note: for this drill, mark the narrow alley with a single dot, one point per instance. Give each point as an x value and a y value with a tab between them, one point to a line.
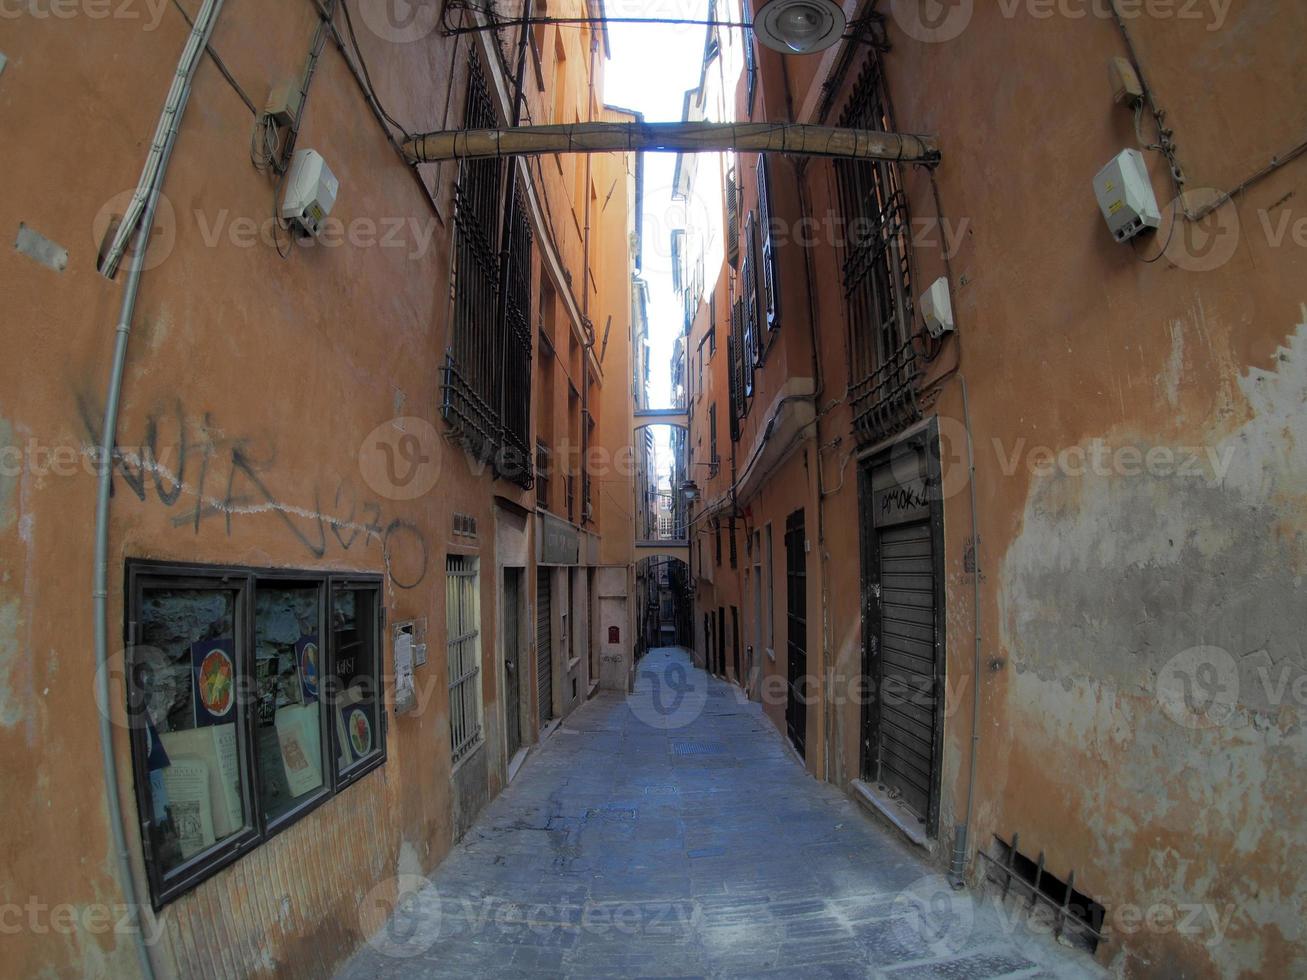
723	488
674	833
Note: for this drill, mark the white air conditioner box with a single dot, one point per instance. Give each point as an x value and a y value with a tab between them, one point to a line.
1125	196
310	192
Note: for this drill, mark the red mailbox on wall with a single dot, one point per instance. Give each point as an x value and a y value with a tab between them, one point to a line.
614	634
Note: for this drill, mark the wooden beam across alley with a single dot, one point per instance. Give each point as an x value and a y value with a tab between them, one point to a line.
677	137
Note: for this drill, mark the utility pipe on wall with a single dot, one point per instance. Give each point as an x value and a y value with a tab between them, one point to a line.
686	137
148	195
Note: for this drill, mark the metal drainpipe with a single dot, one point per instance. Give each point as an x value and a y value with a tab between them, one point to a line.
104	484
100	588
962	834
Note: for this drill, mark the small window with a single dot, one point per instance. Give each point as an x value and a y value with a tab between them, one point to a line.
236	707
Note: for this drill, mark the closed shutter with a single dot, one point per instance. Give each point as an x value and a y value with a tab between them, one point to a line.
906	742
544	648
769	274
732	220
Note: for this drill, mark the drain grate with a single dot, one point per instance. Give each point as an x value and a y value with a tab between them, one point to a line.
688	747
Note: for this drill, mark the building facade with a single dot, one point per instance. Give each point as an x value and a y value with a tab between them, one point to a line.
369	532
1027	588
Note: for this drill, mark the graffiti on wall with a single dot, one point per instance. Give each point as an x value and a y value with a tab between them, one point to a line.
192	466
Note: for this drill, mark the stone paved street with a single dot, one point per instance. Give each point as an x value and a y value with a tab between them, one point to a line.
676	834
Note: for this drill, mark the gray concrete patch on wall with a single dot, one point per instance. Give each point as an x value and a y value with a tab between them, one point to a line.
36	246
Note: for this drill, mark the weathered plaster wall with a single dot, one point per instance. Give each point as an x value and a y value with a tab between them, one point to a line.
253	388
1102	595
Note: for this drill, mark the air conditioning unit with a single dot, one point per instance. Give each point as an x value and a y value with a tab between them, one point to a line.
311	190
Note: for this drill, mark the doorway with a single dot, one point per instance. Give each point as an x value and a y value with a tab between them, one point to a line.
544	646
796	660
902	572
513	659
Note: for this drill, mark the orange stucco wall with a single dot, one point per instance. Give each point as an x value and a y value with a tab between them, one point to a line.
253	388
1096	590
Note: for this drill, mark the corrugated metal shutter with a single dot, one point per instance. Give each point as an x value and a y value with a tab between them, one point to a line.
907	657
544	647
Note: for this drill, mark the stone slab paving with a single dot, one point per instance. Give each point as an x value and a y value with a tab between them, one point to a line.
674	833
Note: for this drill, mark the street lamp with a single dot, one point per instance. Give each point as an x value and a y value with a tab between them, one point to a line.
799	26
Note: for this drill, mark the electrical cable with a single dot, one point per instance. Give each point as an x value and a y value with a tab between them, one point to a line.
1175	220
221	65
363	65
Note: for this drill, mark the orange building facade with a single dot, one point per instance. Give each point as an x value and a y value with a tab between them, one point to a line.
1020	587
369	533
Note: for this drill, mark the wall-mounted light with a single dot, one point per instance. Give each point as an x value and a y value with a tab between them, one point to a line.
799	26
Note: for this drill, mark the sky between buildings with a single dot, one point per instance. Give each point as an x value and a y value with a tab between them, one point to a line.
651	69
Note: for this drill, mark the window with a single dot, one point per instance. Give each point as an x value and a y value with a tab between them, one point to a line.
877	282
752	347
771	280
736	368
463	629
243	686
713	459
733	204
735	556
712	318
540	10
717	532
486	386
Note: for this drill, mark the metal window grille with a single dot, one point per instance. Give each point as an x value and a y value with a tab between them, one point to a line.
569	492
463	628
514	461
877	279
487	372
